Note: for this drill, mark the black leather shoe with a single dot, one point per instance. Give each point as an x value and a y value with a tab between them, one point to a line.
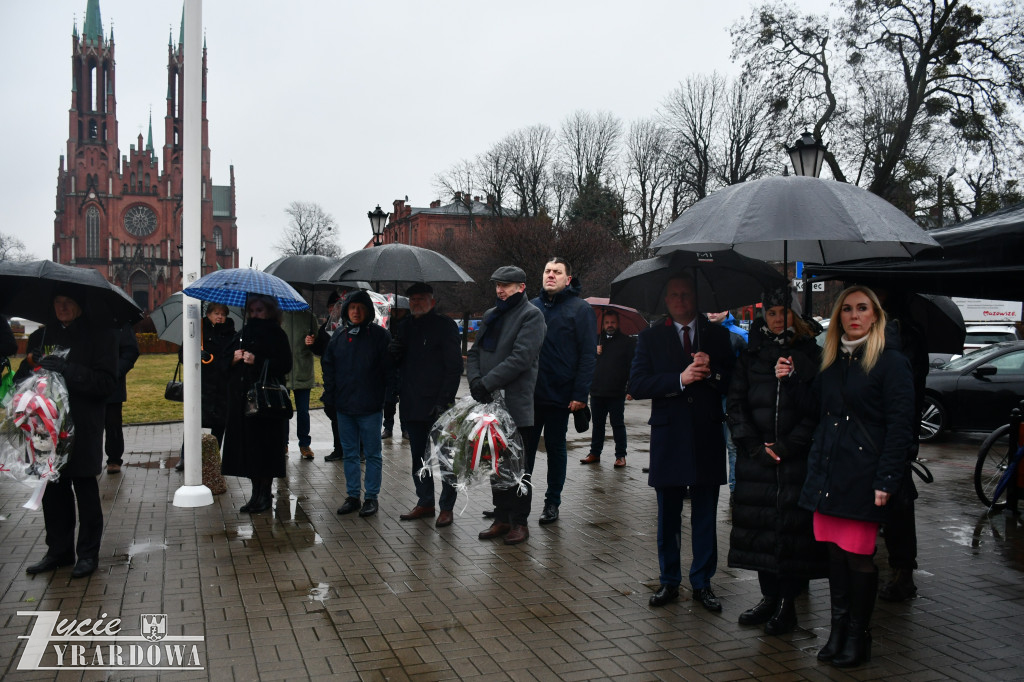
386	433
350	505
83	568
489	514
334	456
50	563
664	595
550	514
707	599
761	612
369	508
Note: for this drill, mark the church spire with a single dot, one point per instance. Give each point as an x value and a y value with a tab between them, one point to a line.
93	28
181	34
149	139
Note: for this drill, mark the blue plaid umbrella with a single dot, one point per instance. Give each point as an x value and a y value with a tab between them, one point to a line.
233	285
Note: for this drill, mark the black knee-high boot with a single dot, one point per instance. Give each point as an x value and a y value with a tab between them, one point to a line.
857	649
264	496
252	497
839	595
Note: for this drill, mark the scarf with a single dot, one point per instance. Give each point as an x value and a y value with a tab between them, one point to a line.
488	340
850	346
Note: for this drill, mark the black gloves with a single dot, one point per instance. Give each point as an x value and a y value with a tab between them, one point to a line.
479	393
53	363
397	349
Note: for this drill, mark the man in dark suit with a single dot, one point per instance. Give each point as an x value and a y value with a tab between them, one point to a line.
685	365
428	355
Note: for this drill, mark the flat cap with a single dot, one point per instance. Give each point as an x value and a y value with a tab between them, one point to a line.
419	288
509	273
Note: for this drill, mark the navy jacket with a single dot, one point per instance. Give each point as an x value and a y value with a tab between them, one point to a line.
687	438
358	369
430	367
866	426
569	353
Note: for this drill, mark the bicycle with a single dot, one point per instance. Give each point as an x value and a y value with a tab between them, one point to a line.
998	467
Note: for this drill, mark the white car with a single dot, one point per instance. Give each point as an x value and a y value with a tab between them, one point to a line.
981	335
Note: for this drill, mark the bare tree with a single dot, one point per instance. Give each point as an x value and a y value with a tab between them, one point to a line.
13	249
494	175
692	113
958	66
750	133
528	152
460	179
310	231
648	168
589	145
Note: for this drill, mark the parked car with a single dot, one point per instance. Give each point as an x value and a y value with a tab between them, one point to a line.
975	392
981	335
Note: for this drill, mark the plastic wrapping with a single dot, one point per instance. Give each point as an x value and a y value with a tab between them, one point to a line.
36	433
473	443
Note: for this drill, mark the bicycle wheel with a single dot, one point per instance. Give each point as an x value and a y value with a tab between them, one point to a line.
993	458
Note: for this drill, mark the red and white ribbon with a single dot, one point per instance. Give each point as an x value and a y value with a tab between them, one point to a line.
486	431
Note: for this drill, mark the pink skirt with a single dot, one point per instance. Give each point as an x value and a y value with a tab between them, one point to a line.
856	537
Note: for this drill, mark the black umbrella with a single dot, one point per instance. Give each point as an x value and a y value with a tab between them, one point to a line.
723	280
301	271
796	218
980	258
397	263
940	320
27	290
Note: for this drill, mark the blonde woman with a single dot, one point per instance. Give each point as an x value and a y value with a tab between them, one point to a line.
865	403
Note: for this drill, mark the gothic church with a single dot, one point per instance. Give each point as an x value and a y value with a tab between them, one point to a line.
121	215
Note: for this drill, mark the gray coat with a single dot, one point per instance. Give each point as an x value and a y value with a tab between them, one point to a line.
512	365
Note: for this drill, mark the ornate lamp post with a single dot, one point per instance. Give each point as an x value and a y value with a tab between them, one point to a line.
807	155
378	219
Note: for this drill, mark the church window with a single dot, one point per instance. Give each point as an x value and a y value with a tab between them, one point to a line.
147	183
218	238
93	130
92	232
93	88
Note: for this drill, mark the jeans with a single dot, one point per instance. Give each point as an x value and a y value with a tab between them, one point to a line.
365	429
553	421
302	416
419	438
613	408
730	448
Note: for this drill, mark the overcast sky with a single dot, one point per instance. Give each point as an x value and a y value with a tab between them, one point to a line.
348	104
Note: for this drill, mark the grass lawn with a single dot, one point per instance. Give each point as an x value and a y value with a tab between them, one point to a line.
146	383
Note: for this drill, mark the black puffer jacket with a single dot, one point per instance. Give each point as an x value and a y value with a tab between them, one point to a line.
770	532
866	426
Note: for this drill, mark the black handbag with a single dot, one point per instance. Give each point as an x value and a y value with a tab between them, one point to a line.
175	390
267	399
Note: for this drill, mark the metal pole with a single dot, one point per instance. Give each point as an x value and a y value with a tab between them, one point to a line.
193	493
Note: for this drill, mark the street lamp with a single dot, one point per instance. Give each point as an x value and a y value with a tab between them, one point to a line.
378	219
202	255
807	155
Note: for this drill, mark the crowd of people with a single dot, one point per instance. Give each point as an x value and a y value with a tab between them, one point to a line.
813	442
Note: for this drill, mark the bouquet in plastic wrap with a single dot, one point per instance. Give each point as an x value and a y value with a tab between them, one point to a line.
473	443
36	432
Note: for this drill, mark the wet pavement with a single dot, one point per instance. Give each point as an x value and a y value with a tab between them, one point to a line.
299	592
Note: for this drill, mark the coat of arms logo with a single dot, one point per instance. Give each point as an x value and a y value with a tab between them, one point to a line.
154	626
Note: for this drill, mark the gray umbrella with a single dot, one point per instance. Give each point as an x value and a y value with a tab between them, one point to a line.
397	263
723	280
796	218
167	318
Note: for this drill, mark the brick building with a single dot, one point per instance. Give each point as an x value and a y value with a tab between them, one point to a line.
121	214
423	226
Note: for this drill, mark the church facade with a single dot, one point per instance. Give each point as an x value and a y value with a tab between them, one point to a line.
121	214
